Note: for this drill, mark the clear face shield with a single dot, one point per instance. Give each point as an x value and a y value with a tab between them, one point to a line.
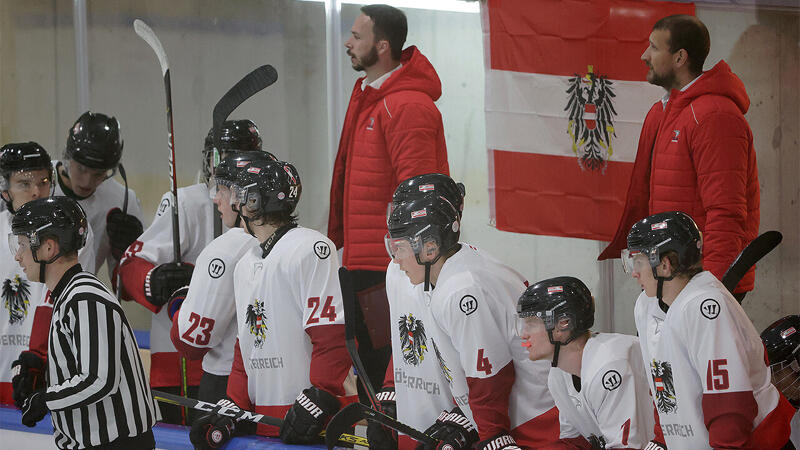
423	249
17	242
245	198
635	260
528	324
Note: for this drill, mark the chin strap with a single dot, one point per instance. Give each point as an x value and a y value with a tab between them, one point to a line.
427	277
555	352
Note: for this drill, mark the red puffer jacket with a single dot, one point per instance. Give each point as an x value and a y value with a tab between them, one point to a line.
697	156
389	134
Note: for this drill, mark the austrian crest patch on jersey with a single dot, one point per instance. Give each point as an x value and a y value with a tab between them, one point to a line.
256	319
591	119
665	386
413	339
16	293
442	363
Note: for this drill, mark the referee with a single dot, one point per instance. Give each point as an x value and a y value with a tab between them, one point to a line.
96	389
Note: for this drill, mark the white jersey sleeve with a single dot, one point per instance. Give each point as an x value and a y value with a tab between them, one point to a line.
618	405
322	296
476	330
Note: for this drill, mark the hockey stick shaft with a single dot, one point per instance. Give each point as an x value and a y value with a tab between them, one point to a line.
355	412
349	304
751	254
147	34
236	413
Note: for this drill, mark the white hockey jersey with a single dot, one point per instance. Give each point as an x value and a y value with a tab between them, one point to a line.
705	358
20	299
422	390
613	402
278	300
196	225
207	318
796	429
474	307
109	195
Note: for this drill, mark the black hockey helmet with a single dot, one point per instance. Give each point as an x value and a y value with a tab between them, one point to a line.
266	187
94	141
20	157
782	340
660	233
235	136
226	172
421	221
59	217
560	300
430	184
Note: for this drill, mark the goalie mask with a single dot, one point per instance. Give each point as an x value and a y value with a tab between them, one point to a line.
22	159
782	342
562	303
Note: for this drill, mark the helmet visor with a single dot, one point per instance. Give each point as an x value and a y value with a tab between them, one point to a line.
637	260
402	246
17	242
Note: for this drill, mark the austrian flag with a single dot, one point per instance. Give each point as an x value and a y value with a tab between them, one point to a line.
566	96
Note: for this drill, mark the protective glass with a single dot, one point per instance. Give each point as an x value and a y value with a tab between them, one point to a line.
402	246
96	176
526	326
17	242
637	260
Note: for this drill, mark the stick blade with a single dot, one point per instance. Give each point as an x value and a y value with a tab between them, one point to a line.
248	86
341	423
146	33
751	254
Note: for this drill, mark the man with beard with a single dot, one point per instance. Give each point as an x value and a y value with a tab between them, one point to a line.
392	131
696	149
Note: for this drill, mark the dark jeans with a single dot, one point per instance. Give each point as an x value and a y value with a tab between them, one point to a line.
375	360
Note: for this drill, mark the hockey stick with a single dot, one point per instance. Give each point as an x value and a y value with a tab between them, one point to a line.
354	412
248	86
238	414
349	304
150	37
147	34
749	257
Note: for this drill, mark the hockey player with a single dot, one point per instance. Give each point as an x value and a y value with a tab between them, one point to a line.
96	388
473	306
708	377
782	341
289	316
91	158
415	390
149	277
204	313
597	380
26	174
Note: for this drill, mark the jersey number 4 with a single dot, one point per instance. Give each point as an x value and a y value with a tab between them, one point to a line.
204	336
328	310
483	363
717	375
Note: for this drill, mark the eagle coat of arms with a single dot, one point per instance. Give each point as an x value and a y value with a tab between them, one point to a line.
16	294
412	339
256	319
665	386
591	119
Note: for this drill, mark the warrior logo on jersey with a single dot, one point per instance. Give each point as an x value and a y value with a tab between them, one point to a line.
15	299
665	387
256	319
591	119
442	364
413	339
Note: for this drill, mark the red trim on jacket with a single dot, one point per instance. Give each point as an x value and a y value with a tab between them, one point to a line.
330	362
488	400
185	349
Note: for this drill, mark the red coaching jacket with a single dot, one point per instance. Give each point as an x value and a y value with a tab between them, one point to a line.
389	134
696	155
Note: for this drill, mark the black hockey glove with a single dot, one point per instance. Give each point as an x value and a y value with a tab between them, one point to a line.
176	300
164	279
452	430
379	436
597	442
655	445
122	230
498	441
28	376
34	408
212	431
308	415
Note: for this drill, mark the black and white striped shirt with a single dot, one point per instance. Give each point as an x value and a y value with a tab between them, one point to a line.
97	389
